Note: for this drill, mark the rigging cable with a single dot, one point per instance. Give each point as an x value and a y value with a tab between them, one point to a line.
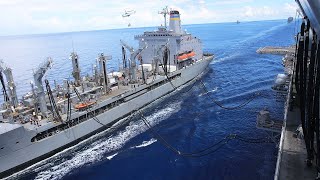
224	107
69	102
206	151
54	110
88	109
6	97
165	60
164	66
143	75
94	117
200	153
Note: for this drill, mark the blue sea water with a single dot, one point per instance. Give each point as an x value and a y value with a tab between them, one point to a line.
188	121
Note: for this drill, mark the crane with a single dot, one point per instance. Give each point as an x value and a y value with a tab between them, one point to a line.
76	69
12	87
133	55
38	75
102	59
158	55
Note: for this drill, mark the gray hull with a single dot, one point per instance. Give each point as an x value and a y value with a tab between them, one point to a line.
22	152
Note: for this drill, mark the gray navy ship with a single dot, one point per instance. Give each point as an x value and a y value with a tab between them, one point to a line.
38	125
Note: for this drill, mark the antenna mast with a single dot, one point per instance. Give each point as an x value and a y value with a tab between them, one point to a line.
164	12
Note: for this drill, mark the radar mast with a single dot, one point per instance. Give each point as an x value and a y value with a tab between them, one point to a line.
164	12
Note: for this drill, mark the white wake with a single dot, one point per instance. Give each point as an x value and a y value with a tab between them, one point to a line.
112	156
97	150
146	143
210	91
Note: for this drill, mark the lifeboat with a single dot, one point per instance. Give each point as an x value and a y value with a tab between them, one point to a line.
182	57
83	105
191	54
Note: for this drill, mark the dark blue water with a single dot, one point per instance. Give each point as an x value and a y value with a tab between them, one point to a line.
188	121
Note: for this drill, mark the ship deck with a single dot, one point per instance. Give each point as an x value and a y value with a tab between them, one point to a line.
292	155
122	89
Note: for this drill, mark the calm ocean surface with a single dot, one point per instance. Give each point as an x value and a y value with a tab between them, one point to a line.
188	121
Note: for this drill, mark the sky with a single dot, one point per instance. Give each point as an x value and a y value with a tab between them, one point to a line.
53	16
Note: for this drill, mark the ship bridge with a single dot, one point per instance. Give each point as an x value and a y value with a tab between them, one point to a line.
177	40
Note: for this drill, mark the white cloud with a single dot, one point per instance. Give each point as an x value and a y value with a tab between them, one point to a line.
232	2
264	11
34	16
290	7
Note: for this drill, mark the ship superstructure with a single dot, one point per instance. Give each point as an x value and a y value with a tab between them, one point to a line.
183	46
39	124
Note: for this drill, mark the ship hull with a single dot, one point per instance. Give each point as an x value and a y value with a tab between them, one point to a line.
27	153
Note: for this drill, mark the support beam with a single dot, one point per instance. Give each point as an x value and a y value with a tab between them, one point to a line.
10	83
40	94
76	68
133	55
102	59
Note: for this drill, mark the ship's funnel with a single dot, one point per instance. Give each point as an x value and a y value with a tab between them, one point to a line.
175	22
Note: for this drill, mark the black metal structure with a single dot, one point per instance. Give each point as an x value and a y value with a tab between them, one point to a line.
54	108
307	78
306	85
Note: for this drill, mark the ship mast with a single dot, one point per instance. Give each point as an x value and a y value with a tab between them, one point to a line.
164	12
38	75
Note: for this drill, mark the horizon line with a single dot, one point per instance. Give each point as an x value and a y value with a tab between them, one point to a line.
81	31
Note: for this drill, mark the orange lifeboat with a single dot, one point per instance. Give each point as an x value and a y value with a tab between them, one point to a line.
182	57
83	105
191	54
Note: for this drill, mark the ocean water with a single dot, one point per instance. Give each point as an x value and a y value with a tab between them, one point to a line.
188	121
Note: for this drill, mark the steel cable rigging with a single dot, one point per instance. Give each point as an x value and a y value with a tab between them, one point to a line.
69	102
200	153
54	110
224	107
164	67
88	109
208	150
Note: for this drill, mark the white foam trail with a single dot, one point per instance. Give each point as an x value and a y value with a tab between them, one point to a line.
112	156
263	33
146	143
231	56
213	90
97	150
46	163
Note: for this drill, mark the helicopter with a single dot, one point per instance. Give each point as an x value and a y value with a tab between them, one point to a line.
128	13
